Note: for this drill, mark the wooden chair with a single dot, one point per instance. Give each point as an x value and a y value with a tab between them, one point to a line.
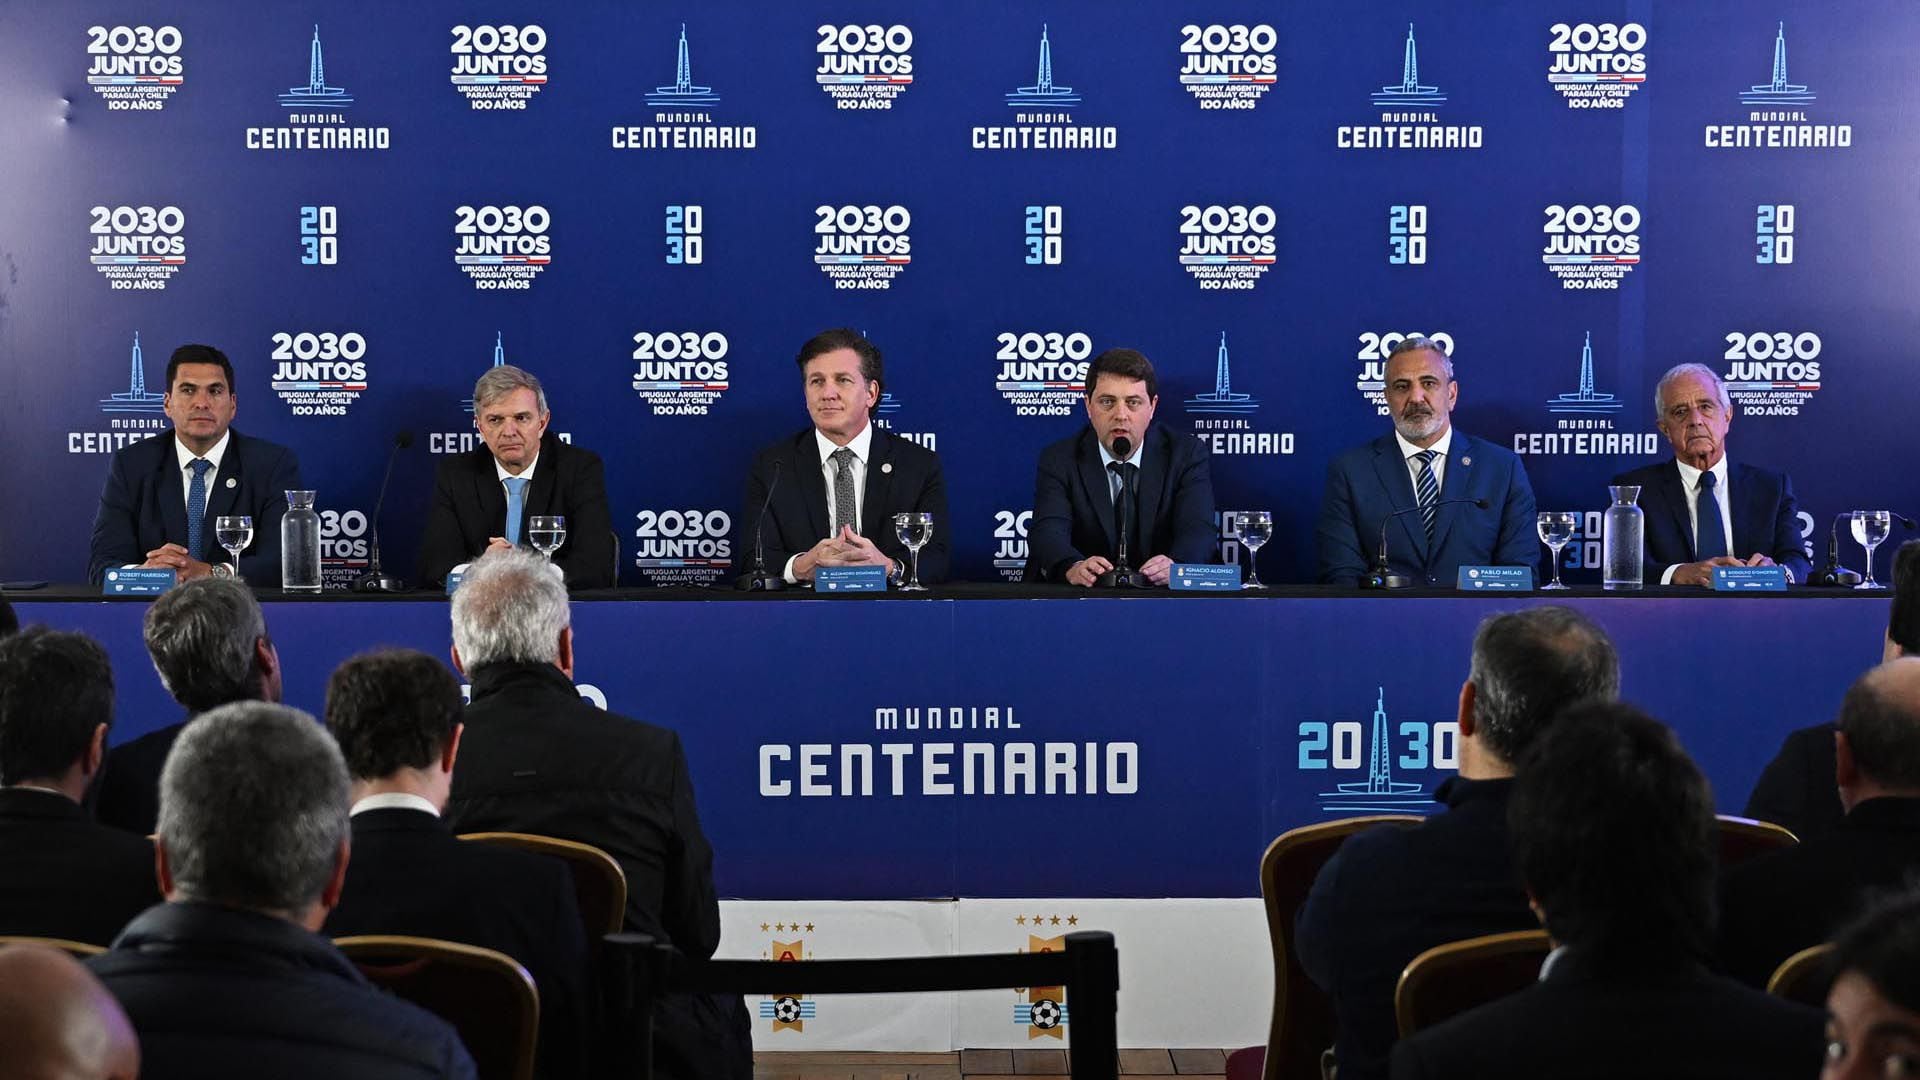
487	997
1302	1026
79	950
1449	979
598	882
1803	977
1743	838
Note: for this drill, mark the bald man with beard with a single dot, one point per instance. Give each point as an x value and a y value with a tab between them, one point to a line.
58	1023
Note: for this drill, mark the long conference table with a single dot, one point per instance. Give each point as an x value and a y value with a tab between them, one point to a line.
1011	741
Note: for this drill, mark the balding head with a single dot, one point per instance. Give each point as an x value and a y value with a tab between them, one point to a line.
1879	740
60	1023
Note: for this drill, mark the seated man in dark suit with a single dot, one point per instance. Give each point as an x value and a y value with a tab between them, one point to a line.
1389	894
396	716
63	876
1873	1005
1469	500
209	644
163	494
1614	837
1779	903
845	478
538	759
61	1024
228	977
1749	510
1167	479
483	498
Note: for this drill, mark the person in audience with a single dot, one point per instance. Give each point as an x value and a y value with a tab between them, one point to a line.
58	1023
9	622
1797	788
396	716
1391	893
228	978
65	877
537	759
1614	837
210	646
1873	1007
1776	904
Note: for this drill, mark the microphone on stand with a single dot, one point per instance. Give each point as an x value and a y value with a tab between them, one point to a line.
1382	575
759	580
1833	575
1122	576
375	581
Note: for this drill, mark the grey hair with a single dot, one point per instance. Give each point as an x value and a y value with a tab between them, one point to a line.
253	808
1413	342
201	637
1529	666
500	381
510	608
1681	371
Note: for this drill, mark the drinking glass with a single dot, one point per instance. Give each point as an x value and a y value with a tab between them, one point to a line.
1556	530
1870	529
546	532
914	529
234	533
1255	528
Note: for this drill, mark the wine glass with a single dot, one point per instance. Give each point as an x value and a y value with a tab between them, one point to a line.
546	532
1556	529
1255	528
1870	529
234	533
914	529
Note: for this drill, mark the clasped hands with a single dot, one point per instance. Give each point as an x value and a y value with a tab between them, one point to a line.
1088	570
176	558
1701	573
845	548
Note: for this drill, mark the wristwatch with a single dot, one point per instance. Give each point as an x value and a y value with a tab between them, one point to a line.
895	572
220	570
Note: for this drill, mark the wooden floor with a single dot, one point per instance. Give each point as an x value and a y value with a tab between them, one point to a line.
1035	1064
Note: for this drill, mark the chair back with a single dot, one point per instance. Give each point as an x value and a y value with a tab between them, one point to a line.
1803	977
1743	838
79	950
599	884
487	997
1449	979
1302	1026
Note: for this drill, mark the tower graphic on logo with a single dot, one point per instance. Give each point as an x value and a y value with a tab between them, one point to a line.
136	399
1409	93
316	94
683	92
1379	792
1779	91
499	358
1043	93
1585	399
1222	399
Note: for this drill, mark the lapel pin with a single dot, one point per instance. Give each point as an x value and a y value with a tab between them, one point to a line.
231	482
1466	461
886	466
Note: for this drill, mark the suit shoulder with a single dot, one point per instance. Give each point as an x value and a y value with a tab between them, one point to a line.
1643	475
780	449
1062	450
1490	451
1353	458
906	450
145	453
574	457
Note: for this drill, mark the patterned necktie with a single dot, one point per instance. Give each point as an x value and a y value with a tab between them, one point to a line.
843	508
1427	491
516	505
197	509
1711	532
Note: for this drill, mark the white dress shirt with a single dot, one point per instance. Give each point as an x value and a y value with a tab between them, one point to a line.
1138	460
1690	483
393	800
186	458
1407	452
861	445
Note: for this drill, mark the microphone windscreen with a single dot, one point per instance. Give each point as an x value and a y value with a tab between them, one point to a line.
1122	447
403	439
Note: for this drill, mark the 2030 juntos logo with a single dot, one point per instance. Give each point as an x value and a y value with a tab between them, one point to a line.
137	247
864	67
502	247
1228	67
319	374
1772	373
1043	373
343	547
862	247
135	67
1597	65
499	67
683	547
680	373
1010	542
1227	247
1591	247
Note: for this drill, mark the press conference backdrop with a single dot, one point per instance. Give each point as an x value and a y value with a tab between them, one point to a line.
651	206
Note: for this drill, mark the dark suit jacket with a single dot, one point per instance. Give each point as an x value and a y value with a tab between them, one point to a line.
1391	893
1779	903
126	794
219	992
536	758
144	504
1369	482
1798	789
408	875
901	476
66	877
470	506
1673	1020
1765	517
1073	505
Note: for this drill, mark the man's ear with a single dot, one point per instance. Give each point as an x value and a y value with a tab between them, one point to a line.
162	873
96	752
454	652
565	660
452	750
1846	772
1467	694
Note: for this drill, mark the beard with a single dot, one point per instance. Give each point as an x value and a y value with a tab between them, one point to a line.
1421	426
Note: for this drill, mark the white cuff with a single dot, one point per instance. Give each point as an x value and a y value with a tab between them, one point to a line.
1667	578
788	571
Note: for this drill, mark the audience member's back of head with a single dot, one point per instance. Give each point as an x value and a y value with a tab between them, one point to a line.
1880	719
1903	618
9	622
391	710
202	636
56	691
1530	665
58	1023
253	809
1613	835
510	608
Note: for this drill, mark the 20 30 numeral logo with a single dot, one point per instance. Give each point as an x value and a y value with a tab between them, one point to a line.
319	235
686	239
1341	745
1773	234
1407	235
1046	238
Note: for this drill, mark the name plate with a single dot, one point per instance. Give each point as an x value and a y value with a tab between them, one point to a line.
454	577
1750	579
848	579
1200	577
138	582
1496	579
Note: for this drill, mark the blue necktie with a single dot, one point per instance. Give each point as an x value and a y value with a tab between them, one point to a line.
1428	490
197	509
516	504
1711	531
